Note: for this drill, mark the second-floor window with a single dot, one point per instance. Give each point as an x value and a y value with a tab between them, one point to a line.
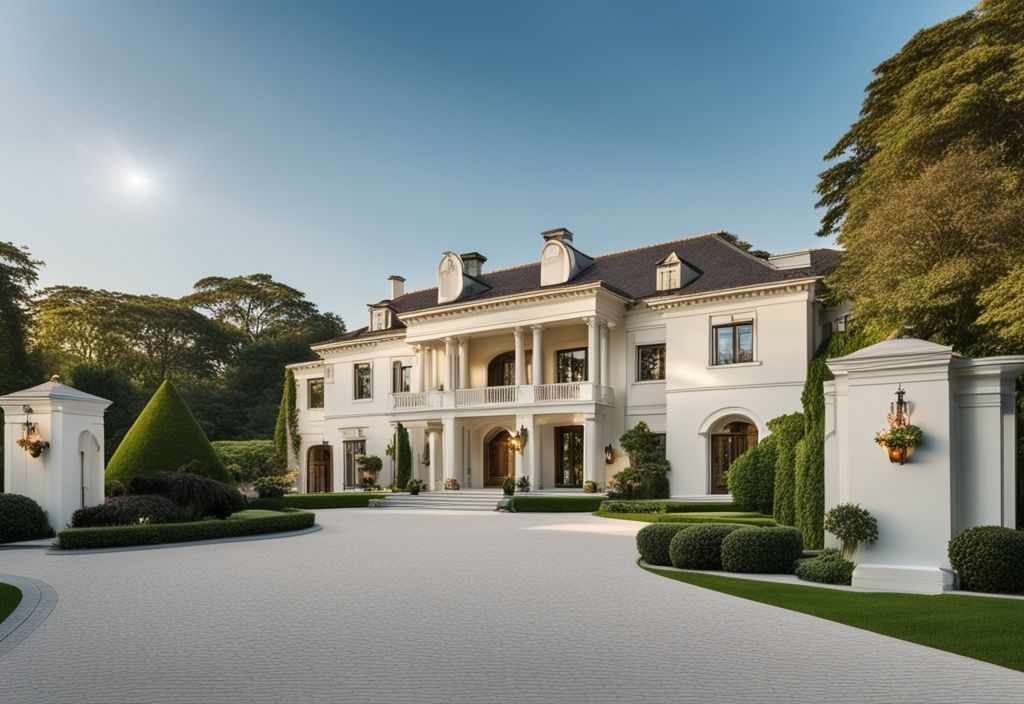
650	362
401	381
733	343
315	393
362	381
571	365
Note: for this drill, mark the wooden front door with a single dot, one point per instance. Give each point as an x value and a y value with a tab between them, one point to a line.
737	437
319	469
500	462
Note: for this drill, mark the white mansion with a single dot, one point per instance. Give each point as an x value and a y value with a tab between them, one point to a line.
537	370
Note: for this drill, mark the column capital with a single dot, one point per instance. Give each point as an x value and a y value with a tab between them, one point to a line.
518	330
592	321
537	327
450	340
416	348
608	325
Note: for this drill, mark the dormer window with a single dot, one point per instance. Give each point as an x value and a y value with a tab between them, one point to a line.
673	273
380	319
560	262
454	282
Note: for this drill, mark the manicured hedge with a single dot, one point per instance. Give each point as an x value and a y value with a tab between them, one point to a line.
266	504
338	500
21	518
707	517
652	542
787	430
556	504
752	477
129	510
829	567
762	550
248	459
989	559
163	438
618	506
123	536
699	547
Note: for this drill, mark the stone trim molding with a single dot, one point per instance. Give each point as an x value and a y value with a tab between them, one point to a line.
38	600
759	291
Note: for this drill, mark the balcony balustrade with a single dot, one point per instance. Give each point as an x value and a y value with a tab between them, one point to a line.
507	396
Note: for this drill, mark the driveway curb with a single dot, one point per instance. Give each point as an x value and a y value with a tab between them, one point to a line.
38	600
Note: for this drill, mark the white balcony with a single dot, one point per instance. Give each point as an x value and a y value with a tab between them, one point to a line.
504	396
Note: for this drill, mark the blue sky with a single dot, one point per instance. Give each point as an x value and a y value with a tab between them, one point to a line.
333	144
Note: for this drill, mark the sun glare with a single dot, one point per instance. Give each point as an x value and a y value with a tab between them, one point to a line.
137	182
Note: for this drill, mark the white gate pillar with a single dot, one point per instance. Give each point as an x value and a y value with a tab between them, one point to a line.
67	475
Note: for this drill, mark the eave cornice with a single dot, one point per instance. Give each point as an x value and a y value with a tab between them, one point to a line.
327	349
298	366
562	293
732	294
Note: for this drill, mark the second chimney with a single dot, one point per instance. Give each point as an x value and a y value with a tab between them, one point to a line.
396	287
473	263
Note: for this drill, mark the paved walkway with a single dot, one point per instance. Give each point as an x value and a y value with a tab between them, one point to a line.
421	606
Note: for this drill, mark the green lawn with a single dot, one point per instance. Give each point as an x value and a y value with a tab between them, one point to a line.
10	597
254	513
744	518
984	628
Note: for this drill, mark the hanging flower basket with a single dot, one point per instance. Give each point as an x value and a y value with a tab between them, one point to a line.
899	442
33	446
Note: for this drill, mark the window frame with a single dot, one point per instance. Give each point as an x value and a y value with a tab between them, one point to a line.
586	365
356	366
661	366
309	393
401	377
734	326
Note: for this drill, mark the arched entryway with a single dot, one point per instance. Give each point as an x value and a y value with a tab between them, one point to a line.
502	369
319	469
499	460
730	438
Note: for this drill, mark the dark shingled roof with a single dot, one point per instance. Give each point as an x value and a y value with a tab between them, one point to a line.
631	273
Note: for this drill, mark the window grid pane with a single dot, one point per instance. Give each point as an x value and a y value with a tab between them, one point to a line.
362	381
733	344
650	362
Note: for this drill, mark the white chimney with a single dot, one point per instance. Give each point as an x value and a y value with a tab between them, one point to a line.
473	263
396	287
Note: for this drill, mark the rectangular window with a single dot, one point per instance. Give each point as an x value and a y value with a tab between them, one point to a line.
662	450
362	381
650	362
734	343
315	391
571	365
401	381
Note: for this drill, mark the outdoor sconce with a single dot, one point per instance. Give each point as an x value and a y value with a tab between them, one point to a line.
609	454
901	437
517	440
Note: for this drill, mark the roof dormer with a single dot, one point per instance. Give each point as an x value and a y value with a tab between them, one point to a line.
559	260
674	273
454	282
380	317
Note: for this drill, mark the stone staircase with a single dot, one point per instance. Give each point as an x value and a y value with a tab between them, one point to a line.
461	500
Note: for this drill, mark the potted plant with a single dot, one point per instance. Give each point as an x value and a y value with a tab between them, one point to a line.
415	486
33	445
899	441
852	525
590	487
523	483
370	466
451	484
508	486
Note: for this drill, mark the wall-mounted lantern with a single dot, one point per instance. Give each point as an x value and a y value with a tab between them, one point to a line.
609	454
900	439
517	439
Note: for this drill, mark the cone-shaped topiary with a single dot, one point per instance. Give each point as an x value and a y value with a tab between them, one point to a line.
163	438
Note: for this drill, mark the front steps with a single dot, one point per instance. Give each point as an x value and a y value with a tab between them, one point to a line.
460	500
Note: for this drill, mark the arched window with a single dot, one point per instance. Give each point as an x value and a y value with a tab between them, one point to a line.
730	439
502	370
319	469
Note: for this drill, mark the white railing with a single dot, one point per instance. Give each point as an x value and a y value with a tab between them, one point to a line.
408	399
571	391
487	396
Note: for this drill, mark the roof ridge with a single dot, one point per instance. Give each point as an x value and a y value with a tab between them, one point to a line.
729	244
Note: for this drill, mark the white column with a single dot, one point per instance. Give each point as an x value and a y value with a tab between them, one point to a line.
420	380
428	369
605	361
520	357
593	350
533	453
449	466
449	356
592	455
463	363
434	459
538	354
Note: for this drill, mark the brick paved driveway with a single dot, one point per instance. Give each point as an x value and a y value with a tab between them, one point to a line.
423	606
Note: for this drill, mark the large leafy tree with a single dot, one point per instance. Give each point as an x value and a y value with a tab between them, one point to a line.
256	305
18	275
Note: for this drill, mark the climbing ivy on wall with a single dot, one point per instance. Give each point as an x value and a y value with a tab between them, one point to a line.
286	430
788	431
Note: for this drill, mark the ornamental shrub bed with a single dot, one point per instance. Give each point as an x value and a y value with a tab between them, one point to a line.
339	500
21	518
124	536
652	542
699	547
617	506
199	496
828	567
266	504
556	504
129	510
989	559
762	550
743	519
751	477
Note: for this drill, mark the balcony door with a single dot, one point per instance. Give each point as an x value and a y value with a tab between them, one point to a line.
502	369
569	456
501	462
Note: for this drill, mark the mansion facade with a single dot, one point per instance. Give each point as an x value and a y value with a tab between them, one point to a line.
536	370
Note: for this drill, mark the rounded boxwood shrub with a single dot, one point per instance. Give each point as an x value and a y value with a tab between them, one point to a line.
652	542
700	547
128	510
266	504
752	477
21	518
762	550
989	559
829	567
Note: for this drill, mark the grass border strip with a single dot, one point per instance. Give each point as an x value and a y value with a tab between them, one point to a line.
38	600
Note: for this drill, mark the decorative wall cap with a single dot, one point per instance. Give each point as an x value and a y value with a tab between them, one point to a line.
51	391
901	353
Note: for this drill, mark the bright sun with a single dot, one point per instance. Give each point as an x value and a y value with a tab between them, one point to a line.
137	182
